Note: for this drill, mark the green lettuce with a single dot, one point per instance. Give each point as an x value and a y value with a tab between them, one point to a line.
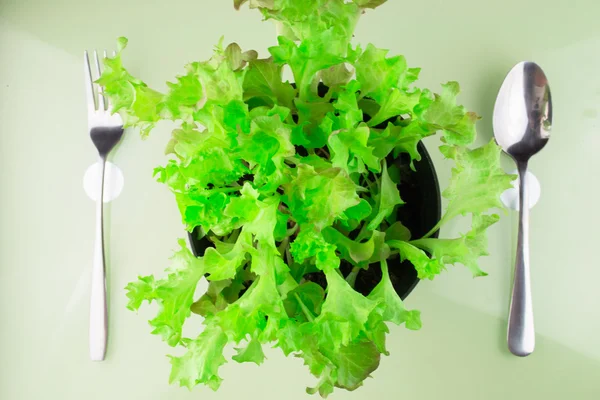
289	181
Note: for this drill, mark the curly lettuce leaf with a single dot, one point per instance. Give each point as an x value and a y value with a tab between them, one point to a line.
426	267
139	105
144	289
173	294
215	299
397	231
304	302
379	75
310	244
266	147
350	151
348	140
457	125
392	307
263	84
358	253
338	75
343	357
308	58
387	199
354	363
260	310
225	259
319	198
244	208
344	313
464	250
303	20
201	362
477	181
400	139
251	353
221	81
263	226
396	102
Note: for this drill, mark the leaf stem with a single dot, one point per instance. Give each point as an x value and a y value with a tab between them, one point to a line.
434	229
234	236
351	278
292	230
293	160
283	246
384	268
324	153
368	182
305	309
361	233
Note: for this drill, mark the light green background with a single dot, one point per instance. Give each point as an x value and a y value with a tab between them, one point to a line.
46	220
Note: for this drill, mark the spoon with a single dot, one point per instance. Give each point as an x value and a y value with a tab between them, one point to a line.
522	124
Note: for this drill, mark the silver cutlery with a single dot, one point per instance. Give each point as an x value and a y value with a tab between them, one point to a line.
106	130
522	124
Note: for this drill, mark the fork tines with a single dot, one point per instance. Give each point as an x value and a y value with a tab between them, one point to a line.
95	99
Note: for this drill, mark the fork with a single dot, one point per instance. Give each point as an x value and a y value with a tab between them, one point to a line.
106	130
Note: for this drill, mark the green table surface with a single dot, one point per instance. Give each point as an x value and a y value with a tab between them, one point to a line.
47	221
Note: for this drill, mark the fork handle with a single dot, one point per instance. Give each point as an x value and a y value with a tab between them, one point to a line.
98	305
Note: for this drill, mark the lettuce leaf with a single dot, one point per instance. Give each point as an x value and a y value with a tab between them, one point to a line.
320	197
391	306
457	124
477	181
201	362
387	199
464	250
173	294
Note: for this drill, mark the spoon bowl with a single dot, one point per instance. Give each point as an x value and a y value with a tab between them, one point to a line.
523	112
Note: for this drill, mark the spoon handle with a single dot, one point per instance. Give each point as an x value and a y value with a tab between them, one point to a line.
521	334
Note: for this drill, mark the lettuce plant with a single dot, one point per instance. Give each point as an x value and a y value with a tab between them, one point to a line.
287	180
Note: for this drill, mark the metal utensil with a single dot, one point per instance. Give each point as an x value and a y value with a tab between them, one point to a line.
106	130
522	124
